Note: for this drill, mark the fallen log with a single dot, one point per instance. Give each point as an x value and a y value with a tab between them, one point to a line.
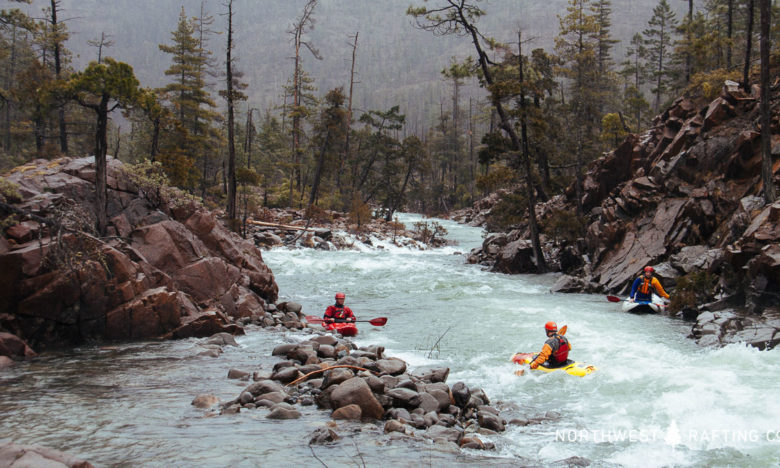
288	227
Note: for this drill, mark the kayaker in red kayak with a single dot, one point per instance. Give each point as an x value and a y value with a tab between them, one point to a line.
640	290
338	312
555	351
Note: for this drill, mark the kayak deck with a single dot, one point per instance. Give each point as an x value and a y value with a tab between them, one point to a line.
577	369
653	306
346	329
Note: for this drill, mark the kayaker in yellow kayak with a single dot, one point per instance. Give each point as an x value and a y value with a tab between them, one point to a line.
555	351
338	312
640	290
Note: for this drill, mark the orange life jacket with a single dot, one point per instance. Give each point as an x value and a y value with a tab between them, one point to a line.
560	350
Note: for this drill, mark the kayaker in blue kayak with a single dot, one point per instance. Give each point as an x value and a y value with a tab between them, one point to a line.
338	312
640	290
555	351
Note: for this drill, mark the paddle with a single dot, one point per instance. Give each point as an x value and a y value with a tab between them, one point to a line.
377	322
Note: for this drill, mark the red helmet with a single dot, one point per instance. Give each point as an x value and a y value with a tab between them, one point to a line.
340	295
550	327
649	268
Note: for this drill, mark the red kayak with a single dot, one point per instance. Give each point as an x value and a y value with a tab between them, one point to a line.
345	328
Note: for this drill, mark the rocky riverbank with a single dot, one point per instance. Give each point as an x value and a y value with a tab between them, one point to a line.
683	197
363	388
333	230
167	269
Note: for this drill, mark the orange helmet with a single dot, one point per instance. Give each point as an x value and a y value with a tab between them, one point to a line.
340	295
550	327
649	268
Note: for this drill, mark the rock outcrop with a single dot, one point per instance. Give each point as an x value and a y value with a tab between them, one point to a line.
17	455
168	268
684	197
362	384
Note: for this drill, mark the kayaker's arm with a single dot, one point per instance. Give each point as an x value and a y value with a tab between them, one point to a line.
542	357
658	288
634	287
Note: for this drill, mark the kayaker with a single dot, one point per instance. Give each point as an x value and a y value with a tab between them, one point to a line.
640	290
555	351
338	312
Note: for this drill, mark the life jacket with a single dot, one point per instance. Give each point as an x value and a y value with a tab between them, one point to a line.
560	350
338	312
646	286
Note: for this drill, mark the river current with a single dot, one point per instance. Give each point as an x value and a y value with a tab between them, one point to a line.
657	399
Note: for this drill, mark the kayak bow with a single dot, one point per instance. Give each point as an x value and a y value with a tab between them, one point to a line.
578	369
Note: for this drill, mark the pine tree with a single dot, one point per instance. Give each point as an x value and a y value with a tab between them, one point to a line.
299	111
103	88
633	71
658	40
577	47
191	104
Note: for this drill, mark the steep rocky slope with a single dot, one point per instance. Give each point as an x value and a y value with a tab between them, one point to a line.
684	197
168	267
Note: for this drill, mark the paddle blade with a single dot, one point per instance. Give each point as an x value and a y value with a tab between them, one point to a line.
314	319
378	322
563	329
613	299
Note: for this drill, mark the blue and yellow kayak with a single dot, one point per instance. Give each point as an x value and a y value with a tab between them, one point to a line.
578	369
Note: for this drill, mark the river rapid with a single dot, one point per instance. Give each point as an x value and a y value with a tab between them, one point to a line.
657	399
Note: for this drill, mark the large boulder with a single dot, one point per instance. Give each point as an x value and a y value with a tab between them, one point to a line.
356	391
14	347
16	455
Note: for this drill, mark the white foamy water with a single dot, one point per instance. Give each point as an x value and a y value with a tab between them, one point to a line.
656	400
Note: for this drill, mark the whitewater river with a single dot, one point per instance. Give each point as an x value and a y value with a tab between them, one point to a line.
656	400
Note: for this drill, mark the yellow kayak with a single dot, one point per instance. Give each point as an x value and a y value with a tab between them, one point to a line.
578	369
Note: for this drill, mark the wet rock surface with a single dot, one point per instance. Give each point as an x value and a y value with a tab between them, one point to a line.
685	197
363	387
16	455
163	271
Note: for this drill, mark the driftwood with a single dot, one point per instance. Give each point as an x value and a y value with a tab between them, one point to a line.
326	369
280	226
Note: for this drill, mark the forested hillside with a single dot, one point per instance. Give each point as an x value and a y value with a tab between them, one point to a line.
397	64
358	106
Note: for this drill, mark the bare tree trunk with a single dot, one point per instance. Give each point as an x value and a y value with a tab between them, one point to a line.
347	141
729	32
541	265
689	36
8	83
318	174
748	47
766	131
231	171
472	160
58	73
156	140
101	148
248	140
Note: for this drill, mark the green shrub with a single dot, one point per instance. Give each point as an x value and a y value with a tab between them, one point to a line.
511	210
154	187
426	232
709	84
564	226
499	177
691	290
9	191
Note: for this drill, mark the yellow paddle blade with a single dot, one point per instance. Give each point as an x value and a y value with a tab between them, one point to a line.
563	329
